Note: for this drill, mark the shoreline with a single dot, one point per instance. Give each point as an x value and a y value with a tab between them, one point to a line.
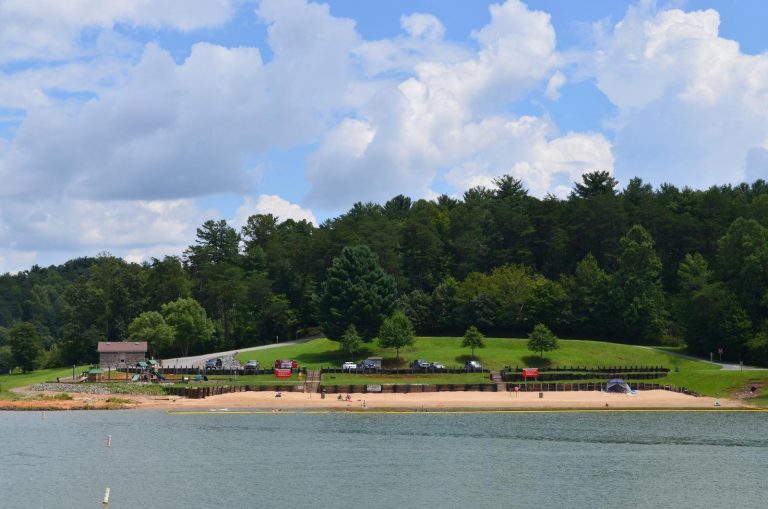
266	402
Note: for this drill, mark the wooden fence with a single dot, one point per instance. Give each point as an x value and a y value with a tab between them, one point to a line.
401	371
595	369
593	386
204	392
555	377
191	370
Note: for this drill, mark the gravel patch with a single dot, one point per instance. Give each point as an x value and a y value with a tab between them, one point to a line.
59	387
137	388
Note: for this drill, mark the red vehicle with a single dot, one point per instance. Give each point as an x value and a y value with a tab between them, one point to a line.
286	364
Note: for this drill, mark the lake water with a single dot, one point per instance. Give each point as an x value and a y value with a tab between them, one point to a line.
581	460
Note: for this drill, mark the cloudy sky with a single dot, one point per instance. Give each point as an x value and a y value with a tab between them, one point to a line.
125	125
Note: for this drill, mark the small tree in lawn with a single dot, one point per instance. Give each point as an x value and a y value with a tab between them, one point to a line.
473	338
351	341
396	332
542	340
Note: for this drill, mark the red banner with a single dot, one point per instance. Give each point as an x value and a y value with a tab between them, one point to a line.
282	373
530	372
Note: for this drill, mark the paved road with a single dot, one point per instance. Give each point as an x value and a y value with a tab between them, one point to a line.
723	365
199	360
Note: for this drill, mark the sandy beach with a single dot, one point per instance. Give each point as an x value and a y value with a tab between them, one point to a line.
434	401
451	400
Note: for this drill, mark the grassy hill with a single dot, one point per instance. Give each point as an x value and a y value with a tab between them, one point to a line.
699	376
497	354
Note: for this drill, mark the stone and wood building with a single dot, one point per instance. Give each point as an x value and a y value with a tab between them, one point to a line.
121	354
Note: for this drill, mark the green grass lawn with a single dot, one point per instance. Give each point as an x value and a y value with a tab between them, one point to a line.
8	382
498	353
712	381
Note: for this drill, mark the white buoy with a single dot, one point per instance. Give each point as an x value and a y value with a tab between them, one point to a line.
105	502
109	440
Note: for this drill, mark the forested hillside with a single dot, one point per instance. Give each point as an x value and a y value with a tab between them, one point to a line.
636	265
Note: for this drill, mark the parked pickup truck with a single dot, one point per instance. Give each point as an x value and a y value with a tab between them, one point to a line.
473	366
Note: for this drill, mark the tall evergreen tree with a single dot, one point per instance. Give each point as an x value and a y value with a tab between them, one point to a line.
24	340
356	291
639	294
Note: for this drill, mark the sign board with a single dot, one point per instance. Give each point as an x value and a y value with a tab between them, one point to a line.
282	373
530	372
373	388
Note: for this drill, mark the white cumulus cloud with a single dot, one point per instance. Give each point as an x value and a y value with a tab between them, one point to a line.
50	29
450	115
692	106
271	204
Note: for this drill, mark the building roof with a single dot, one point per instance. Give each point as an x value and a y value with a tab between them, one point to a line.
122	346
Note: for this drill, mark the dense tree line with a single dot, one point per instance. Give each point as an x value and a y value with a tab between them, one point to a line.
636	265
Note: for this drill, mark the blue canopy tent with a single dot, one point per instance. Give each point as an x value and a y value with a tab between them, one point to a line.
618	385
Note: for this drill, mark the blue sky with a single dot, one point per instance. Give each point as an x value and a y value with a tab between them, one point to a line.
125	125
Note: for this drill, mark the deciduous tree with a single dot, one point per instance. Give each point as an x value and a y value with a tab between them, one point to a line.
396	332
472	339
192	327
150	326
351	341
541	340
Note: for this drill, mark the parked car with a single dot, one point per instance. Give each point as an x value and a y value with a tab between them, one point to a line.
252	365
420	364
349	365
473	366
437	365
213	364
366	364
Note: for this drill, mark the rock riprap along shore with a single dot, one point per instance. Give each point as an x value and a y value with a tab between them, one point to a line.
89	388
